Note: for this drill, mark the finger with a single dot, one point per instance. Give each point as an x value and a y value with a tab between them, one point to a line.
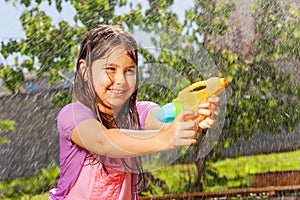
205	112
207	123
214	115
205	104
210	122
185	115
187	142
215	112
189	135
215	100
189	125
215	107
203	125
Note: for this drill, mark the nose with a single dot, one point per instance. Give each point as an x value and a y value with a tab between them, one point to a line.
120	78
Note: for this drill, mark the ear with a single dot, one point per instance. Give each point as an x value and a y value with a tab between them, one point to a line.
83	69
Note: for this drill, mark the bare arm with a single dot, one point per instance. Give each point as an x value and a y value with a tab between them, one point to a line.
93	136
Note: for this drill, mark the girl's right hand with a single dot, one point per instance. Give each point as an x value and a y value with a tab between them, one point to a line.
181	132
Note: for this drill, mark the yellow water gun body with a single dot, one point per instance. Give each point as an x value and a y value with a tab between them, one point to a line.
190	97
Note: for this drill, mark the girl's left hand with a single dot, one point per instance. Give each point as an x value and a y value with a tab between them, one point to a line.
211	110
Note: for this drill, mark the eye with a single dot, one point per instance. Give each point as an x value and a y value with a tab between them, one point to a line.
110	69
130	71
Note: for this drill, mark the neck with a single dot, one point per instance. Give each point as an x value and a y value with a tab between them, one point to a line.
109	110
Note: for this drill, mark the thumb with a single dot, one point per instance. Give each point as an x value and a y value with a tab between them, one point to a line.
185	115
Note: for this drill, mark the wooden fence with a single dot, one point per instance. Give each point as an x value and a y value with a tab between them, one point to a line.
270	192
270	185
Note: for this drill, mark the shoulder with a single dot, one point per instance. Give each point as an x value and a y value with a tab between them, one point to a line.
75	106
71	115
144	108
146	105
75	110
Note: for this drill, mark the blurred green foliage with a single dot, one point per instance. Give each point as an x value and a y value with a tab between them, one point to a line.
25	188
5	126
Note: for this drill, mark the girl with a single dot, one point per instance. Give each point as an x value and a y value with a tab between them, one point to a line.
106	129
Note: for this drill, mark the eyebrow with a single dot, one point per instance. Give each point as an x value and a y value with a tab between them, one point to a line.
115	65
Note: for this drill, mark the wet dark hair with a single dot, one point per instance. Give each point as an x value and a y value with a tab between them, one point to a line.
99	43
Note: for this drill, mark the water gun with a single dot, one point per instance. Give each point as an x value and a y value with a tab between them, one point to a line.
190	97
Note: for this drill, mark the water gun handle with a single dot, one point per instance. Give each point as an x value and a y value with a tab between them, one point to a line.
170	111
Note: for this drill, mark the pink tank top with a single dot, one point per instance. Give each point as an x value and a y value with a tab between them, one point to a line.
87	181
94	184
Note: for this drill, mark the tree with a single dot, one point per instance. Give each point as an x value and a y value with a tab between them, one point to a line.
265	95
259	92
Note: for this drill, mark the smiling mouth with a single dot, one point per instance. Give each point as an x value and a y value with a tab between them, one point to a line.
115	91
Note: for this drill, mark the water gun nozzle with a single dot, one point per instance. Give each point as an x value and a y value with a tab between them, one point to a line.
224	82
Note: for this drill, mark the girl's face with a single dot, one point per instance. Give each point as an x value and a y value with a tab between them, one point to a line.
114	79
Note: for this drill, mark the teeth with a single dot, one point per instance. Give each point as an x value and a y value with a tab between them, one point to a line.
116	91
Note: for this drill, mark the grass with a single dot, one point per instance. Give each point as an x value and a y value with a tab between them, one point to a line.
178	178
30	197
236	171
232	172
243	166
41	197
